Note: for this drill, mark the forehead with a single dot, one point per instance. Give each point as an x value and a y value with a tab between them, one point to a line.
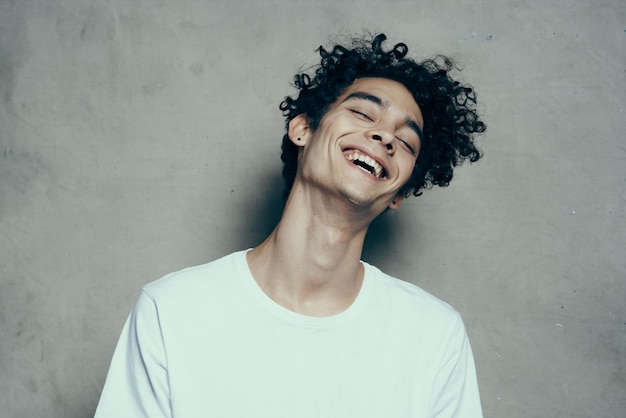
393	94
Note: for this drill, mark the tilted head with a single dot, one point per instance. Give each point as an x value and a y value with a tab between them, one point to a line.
448	106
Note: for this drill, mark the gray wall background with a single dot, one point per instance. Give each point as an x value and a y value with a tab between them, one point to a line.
140	137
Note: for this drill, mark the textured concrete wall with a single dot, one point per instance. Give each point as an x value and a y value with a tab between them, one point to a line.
139	137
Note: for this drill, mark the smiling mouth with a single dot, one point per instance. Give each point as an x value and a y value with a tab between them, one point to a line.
367	164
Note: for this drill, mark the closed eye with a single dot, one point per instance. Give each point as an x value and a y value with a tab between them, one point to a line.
361	114
407	146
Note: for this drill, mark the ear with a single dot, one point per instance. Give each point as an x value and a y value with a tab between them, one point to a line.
395	203
299	130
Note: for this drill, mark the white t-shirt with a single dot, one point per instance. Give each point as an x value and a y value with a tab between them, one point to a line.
208	342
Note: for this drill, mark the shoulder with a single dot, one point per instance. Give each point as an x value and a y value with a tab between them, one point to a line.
411	300
197	280
417	319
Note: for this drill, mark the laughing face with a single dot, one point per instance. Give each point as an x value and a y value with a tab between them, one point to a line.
365	146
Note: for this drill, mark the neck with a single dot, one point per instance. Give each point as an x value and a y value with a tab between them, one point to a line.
311	261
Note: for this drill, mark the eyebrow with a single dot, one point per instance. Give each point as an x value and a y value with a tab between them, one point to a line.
380	102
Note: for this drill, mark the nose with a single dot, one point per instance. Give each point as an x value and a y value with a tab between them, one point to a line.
385	137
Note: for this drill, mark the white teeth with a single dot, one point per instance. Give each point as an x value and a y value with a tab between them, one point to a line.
377	169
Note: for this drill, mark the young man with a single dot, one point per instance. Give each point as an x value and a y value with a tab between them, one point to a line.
299	326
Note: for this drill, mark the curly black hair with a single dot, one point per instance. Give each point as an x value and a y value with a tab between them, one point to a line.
447	105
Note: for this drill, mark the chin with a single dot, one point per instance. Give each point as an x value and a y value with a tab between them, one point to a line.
364	201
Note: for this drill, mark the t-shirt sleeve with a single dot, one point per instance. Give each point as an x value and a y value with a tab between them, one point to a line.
456	389
137	382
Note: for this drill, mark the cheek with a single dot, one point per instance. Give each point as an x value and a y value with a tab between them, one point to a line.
406	168
405	175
